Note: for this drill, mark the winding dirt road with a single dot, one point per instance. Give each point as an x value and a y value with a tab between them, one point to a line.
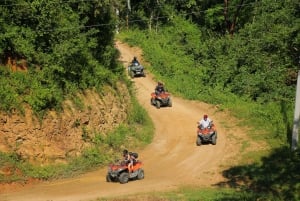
171	160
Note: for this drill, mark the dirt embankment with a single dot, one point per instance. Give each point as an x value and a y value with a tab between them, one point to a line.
60	135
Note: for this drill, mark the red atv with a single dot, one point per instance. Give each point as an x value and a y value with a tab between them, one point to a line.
207	135
119	172
162	99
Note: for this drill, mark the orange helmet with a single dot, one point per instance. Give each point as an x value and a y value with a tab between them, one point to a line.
205	116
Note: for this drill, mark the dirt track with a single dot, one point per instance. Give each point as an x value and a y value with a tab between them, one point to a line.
171	160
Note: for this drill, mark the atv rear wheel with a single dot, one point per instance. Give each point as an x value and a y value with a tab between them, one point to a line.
124	178
141	174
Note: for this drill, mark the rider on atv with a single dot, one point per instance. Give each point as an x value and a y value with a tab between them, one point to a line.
123	172
130	159
134	60
205	122
159	88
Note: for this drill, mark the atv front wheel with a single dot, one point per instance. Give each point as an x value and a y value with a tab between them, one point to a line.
124	178
108	178
157	103
214	140
170	103
141	174
132	74
198	141
152	101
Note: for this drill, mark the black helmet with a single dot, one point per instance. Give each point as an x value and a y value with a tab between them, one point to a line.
125	151
134	57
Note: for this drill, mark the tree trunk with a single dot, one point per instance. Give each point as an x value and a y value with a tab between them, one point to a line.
230	25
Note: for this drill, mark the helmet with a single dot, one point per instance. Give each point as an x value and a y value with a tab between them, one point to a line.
159	83
125	151
134	57
205	116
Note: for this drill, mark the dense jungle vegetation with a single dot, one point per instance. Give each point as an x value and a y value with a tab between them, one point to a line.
65	46
241	54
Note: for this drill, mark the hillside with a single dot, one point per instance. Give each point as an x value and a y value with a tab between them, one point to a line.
60	135
171	160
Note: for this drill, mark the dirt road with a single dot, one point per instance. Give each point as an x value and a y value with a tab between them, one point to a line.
171	160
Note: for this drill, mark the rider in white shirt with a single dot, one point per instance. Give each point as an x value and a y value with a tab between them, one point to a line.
205	122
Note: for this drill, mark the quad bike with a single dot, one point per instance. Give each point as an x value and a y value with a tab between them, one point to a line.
136	69
119	172
162	99
207	135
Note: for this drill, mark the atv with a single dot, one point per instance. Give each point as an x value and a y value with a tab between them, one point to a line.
119	172
135	69
207	135
162	99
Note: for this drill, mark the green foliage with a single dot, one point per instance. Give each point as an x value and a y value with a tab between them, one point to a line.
94	156
116	138
8	97
137	115
64	48
10	162
78	103
43	173
259	62
12	86
214	18
142	124
43	98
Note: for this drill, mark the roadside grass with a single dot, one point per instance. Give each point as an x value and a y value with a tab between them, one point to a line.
192	193
182	194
